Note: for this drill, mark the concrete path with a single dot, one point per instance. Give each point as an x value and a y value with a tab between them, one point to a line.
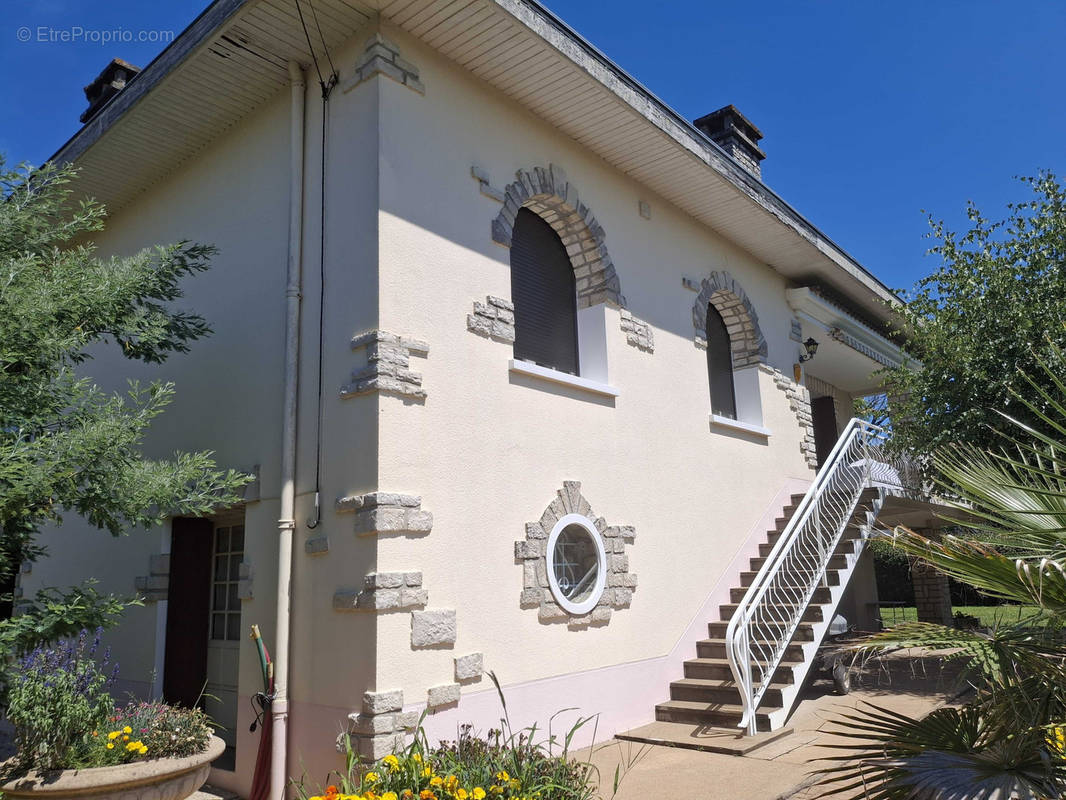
905	682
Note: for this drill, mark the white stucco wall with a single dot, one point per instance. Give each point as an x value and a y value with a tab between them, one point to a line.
488	449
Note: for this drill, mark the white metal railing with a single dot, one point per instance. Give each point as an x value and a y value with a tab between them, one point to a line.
773	607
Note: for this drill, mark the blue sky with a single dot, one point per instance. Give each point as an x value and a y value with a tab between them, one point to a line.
871	111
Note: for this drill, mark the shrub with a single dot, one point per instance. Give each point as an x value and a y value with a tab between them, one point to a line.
57	696
148	730
505	765
64	716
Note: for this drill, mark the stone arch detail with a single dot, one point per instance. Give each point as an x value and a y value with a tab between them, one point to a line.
742	323
547	192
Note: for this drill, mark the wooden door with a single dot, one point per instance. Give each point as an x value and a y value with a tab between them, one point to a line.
188	606
824	419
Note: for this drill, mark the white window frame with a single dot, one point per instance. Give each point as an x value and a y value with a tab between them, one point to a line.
589	603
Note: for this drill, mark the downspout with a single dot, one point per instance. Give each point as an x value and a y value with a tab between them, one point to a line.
279	709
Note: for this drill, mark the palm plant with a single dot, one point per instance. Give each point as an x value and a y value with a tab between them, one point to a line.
1009	739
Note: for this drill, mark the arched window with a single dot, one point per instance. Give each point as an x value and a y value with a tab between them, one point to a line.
720	366
544	293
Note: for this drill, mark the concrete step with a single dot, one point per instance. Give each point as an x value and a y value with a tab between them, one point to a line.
837	561
821	595
804	633
813	613
844	546
728	741
719	692
832	577
718	669
724	715
716	648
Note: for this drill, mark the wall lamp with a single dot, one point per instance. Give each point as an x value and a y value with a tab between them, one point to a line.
810	348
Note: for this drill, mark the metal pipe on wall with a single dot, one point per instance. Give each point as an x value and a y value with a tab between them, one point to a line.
287	515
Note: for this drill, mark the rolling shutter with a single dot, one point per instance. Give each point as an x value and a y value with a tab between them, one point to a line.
720	366
544	294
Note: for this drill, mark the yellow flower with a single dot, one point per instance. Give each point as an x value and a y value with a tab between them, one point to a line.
127	729
436	780
462	794
417	758
392	762
502	776
479	793
372	777
496	789
114	735
110	746
427	772
389	796
426	794
515	784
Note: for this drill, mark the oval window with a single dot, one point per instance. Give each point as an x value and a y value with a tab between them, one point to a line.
577	564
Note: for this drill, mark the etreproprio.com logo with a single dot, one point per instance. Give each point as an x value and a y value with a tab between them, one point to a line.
76	34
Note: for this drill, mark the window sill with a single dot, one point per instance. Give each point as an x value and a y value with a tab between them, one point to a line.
736	425
563	378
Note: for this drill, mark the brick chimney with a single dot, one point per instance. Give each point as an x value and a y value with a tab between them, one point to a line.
106	85
735	134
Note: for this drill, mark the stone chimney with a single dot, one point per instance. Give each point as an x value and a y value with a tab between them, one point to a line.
735	134
107	84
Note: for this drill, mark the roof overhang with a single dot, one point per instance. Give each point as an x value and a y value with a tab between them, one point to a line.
850	353
232	59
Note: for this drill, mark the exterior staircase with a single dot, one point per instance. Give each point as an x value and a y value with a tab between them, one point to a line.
708	695
749	672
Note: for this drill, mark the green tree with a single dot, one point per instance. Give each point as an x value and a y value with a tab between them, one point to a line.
993	307
1008	740
66	445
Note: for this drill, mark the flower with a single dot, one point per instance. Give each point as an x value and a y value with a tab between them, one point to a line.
371	777
436	780
462	794
127	729
114	735
427	772
392	762
389	796
110	746
502	776
426	794
479	793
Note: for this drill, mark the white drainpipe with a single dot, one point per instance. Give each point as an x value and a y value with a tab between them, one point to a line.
279	709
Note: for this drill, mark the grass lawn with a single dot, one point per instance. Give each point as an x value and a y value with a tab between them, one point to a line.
989	615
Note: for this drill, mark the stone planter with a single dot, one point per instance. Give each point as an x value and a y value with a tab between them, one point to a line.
157	779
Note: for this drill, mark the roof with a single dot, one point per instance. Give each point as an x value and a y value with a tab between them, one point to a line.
233	58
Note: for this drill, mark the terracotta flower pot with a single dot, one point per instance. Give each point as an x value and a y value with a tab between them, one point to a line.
156	779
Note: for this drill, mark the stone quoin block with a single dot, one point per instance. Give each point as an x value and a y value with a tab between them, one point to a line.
445	695
388	357
382	702
469	667
433	627
382	57
638	332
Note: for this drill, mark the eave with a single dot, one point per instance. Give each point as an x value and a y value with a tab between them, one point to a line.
232	60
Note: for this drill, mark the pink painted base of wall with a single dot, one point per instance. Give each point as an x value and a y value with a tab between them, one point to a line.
621	696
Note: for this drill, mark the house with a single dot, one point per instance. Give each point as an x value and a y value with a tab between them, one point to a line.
498	333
